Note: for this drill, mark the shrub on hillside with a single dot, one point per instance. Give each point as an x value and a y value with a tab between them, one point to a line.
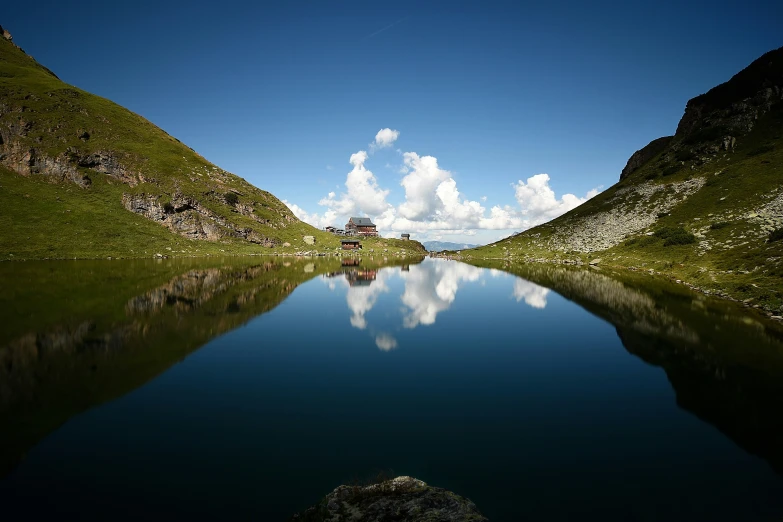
775	235
674	169
719	225
684	155
675	236
231	198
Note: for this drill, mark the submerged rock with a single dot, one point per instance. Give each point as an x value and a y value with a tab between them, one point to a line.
402	498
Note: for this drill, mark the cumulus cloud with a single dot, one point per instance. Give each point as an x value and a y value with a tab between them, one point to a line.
538	202
433	204
385	138
362	196
385	342
315	219
533	294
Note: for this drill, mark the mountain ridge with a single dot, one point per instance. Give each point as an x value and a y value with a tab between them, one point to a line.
704	206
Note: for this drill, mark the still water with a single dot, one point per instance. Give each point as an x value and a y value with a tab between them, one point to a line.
242	389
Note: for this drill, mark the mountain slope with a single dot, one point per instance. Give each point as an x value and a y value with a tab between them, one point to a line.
704	206
439	246
75	157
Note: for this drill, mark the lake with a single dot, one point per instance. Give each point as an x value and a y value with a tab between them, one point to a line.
247	388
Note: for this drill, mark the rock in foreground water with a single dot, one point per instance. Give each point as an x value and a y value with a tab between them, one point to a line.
402	498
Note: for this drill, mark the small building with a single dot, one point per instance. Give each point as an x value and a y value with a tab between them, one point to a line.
361	226
351	244
406	237
330	229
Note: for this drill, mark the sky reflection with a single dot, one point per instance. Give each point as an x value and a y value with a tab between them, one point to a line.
425	290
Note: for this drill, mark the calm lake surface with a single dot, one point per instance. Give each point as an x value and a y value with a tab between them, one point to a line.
241	389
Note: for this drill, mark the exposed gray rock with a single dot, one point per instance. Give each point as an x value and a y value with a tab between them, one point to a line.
189	218
643	155
631	210
733	107
402	498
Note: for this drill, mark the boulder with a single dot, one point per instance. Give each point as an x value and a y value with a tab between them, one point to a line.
402	498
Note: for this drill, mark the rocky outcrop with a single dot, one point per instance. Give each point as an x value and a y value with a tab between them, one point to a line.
735	105
642	156
714	121
70	165
28	162
630	211
402	498
189	218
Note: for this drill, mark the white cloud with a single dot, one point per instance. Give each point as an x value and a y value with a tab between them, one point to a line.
363	195
329	167
385	342
533	294
539	203
433	204
315	219
385	138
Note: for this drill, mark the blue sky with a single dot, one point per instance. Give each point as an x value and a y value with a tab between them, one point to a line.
485	97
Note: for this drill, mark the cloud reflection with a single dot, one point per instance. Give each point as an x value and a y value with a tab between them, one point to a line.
385	342
430	288
533	294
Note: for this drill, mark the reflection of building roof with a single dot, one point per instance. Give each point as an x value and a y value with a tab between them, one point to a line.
362	222
361	277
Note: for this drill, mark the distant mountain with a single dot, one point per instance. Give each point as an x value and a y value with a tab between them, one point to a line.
439	246
81	176
704	206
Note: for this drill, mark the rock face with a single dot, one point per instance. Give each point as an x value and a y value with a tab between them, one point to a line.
734	106
642	156
402	498
189	218
714	120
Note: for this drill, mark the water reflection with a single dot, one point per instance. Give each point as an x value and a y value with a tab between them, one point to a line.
106	328
725	366
533	294
431	288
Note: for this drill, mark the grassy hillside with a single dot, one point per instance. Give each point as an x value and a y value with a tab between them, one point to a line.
706	207
81	176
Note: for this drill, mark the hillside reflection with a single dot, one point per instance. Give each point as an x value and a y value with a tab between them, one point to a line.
80	334
725	366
